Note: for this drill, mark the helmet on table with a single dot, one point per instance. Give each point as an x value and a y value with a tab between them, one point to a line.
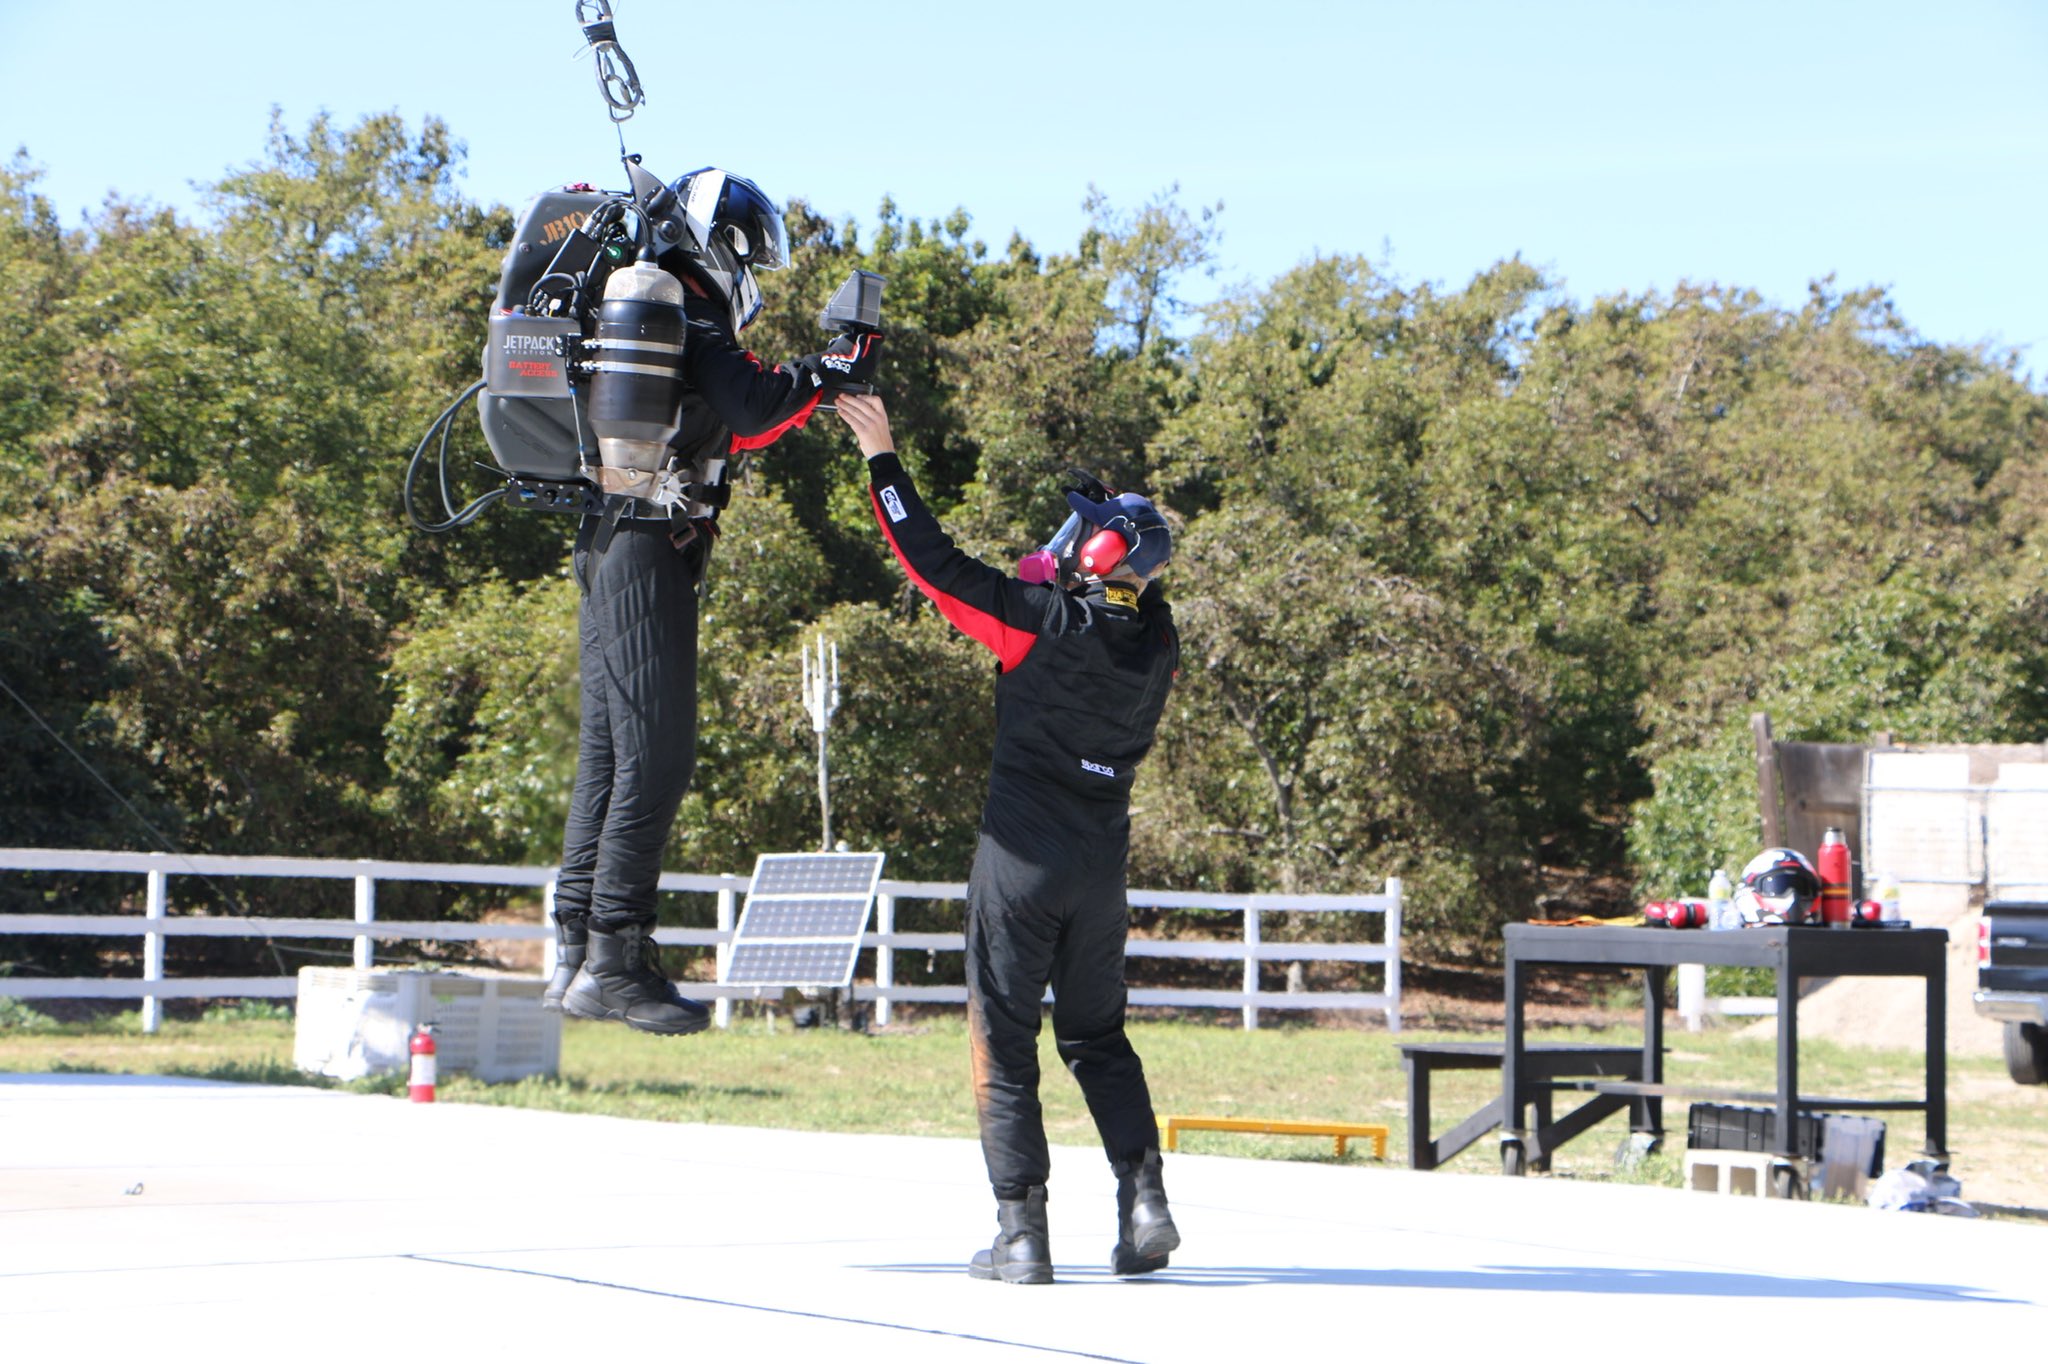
1779	886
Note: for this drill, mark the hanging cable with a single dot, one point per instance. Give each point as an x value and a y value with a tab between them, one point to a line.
170	847
92	771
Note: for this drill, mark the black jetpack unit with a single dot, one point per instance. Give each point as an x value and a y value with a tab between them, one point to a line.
577	280
584	381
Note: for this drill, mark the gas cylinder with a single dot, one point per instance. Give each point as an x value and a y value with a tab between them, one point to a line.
1832	863
636	384
421	1085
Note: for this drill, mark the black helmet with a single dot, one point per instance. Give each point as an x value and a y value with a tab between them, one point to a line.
736	230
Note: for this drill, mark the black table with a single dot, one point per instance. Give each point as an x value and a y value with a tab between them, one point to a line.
1794	954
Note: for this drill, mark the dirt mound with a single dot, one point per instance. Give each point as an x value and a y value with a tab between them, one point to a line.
1875	1012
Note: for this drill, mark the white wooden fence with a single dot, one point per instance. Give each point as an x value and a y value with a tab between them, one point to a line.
157	923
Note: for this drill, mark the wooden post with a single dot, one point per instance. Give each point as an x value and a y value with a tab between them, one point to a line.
1393	938
550	946
1251	968
1767	798
156	906
1692	995
366	913
885	958
721	1009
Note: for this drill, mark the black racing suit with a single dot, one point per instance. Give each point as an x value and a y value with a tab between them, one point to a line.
638	637
1083	679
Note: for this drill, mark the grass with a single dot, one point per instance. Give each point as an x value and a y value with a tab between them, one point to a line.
913	1080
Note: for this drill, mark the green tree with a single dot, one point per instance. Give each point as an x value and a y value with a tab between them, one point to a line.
1477	585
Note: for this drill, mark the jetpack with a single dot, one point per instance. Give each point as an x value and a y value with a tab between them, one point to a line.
583	368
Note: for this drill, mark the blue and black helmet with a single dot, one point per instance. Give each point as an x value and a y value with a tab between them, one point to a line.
1103	531
735	229
1148	544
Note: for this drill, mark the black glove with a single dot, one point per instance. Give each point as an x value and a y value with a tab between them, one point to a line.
849	362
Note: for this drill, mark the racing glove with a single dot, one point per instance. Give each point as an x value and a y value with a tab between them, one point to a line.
849	362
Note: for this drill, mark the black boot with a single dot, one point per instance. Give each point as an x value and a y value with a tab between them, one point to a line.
1022	1252
621	978
572	936
1144	1228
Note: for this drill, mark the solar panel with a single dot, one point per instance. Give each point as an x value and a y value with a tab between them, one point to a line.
803	919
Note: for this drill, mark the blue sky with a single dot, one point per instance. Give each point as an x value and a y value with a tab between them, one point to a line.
1623	147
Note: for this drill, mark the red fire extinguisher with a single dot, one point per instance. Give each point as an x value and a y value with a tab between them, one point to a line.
1833	866
422	1082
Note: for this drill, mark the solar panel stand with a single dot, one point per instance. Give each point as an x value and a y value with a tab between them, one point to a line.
802	925
846	1011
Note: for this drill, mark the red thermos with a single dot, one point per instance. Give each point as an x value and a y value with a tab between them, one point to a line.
1833	866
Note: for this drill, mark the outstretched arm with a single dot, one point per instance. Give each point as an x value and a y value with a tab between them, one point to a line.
984	602
756	403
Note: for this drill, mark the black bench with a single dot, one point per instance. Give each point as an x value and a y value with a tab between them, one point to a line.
1543	1066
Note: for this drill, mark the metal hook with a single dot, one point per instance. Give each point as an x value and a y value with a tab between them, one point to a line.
617	81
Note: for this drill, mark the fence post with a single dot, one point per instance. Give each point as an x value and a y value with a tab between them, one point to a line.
1251	968
157	905
550	949
885	957
721	1009
366	913
1393	935
1692	994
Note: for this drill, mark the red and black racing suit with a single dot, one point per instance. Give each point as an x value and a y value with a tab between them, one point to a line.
638	637
1083	678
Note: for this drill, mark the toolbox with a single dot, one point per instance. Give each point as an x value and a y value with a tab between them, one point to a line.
1731	1127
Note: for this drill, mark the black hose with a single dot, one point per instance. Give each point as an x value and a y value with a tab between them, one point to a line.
444	424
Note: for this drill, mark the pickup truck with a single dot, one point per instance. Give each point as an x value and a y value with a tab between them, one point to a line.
2012	983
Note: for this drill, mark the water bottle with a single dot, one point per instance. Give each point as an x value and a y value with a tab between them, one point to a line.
1720	901
1888	899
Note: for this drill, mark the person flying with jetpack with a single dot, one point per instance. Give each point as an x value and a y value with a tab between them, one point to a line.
616	388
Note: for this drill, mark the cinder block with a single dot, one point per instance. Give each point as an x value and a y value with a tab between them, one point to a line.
1731	1172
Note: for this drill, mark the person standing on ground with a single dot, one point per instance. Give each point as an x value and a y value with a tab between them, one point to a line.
1085	663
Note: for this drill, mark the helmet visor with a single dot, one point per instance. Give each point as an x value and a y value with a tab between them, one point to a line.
1787	890
1052	562
732	211
1066	537
770	242
759	222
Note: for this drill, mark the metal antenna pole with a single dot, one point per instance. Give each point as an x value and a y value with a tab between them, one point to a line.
821	699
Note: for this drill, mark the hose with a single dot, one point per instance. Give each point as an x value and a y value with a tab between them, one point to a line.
455	519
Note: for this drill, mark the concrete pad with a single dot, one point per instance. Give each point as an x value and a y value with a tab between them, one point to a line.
181	1216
